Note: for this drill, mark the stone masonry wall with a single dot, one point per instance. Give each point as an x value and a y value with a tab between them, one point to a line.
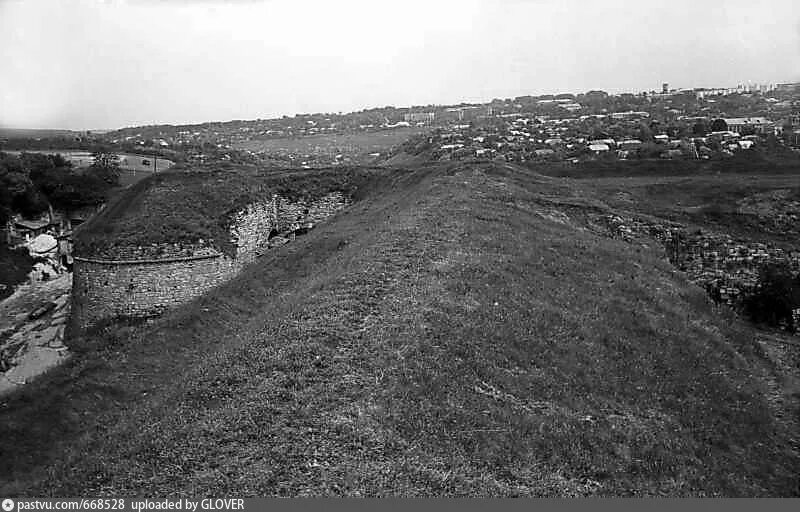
251	229
106	288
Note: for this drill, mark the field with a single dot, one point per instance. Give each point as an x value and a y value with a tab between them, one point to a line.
357	146
18	133
452	333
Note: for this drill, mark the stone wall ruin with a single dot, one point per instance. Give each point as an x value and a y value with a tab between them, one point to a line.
138	284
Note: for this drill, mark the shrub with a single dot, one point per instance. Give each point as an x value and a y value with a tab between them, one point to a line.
14	267
777	294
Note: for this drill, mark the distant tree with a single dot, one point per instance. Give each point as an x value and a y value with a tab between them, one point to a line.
645	133
714	145
105	157
42	167
748	130
108	175
12	185
19	195
650	150
772	143
719	125
73	191
105	166
699	129
32	182
678	129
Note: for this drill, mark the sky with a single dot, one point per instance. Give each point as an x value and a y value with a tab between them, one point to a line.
94	64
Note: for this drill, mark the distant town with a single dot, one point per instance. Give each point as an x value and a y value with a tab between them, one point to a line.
699	123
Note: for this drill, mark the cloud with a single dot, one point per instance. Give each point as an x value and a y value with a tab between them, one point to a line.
90	64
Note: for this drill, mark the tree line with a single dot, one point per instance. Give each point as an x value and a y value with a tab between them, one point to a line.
32	182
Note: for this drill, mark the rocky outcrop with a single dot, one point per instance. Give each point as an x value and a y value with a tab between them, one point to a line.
727	268
32	324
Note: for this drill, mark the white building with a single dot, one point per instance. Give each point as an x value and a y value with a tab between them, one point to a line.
738	124
599	148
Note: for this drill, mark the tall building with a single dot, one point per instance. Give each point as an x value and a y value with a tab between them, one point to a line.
419	117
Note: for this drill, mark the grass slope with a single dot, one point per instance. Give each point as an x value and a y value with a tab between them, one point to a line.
192	205
744	163
449	334
710	202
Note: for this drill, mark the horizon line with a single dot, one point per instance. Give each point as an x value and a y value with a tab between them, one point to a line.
280	116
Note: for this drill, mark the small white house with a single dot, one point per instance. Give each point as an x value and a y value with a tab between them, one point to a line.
630	144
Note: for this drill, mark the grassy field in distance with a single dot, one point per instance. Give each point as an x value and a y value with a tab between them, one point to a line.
330	145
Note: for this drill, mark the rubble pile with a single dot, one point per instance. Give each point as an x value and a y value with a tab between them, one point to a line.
32	331
47	254
726	267
777	210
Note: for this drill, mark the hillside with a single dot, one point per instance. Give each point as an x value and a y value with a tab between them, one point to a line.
18	133
195	205
458	330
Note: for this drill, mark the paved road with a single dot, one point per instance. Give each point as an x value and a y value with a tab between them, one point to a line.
126	160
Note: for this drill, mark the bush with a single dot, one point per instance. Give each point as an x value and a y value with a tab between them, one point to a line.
778	293
417	144
14	267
